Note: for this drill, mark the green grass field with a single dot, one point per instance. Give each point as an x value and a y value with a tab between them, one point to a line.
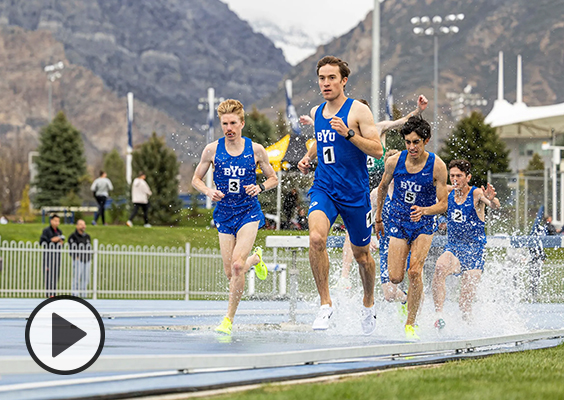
527	375
203	237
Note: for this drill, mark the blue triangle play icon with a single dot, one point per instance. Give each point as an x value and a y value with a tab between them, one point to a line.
64	334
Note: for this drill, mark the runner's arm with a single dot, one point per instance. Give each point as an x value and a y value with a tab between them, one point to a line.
197	180
261	157
366	137
384	126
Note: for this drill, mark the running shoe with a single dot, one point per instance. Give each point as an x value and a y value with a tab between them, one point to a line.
440	324
225	327
411	332
368	320
261	270
321	322
129	223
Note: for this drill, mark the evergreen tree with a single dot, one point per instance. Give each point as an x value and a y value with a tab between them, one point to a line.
115	168
258	128
474	140
161	167
536	163
393	138
61	165
281	127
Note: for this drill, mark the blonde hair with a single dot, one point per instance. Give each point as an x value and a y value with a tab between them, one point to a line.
231	106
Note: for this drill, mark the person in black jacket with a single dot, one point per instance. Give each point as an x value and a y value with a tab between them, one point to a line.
81	254
52	240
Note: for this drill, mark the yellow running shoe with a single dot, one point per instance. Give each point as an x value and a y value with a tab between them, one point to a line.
225	327
411	332
261	270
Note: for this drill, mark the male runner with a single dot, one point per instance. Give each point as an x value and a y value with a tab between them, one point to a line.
345	133
238	214
466	238
419	193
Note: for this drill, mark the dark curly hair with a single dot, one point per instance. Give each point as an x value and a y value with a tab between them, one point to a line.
417	125
462	165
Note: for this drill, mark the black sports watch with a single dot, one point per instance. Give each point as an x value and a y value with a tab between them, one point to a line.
350	134
261	186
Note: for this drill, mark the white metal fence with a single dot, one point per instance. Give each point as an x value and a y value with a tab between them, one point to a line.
28	269
135	272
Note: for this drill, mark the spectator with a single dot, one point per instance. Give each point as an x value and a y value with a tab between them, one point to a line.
289	205
140	192
52	240
302	219
100	189
549	226
81	254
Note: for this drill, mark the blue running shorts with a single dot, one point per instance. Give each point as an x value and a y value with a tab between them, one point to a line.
230	220
358	220
470	256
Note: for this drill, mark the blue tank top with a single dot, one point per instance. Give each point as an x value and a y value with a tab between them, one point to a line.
413	189
463	224
341	171
231	173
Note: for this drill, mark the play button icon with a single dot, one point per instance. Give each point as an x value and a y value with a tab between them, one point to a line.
64	335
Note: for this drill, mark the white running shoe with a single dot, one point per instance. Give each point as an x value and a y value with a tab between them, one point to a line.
321	322
368	320
129	223
147	225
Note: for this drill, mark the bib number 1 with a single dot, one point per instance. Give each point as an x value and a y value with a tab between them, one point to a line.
329	155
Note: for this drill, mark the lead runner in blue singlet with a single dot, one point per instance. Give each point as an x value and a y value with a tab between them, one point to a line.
420	192
466	238
345	133
238	214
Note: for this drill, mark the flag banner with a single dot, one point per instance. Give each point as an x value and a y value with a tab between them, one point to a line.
389	99
291	113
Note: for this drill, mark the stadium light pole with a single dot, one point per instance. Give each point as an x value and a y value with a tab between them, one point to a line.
52	75
210	104
435	27
375	99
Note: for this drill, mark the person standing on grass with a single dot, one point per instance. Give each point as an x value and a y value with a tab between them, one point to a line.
81	253
237	214
52	240
101	188
140	192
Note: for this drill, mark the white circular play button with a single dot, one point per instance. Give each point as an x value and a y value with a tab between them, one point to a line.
64	335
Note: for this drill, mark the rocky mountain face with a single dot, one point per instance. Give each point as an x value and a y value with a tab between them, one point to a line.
167	52
97	111
533	29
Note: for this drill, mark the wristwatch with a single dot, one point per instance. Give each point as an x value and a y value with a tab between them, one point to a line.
261	186
350	134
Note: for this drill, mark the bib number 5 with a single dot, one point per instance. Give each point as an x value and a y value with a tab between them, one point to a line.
410	197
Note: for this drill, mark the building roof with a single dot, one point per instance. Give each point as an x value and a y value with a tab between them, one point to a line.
520	121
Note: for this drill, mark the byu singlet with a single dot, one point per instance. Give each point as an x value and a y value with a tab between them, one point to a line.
341	172
413	189
232	173
463	224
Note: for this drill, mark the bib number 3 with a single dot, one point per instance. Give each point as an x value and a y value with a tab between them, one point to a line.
234	185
